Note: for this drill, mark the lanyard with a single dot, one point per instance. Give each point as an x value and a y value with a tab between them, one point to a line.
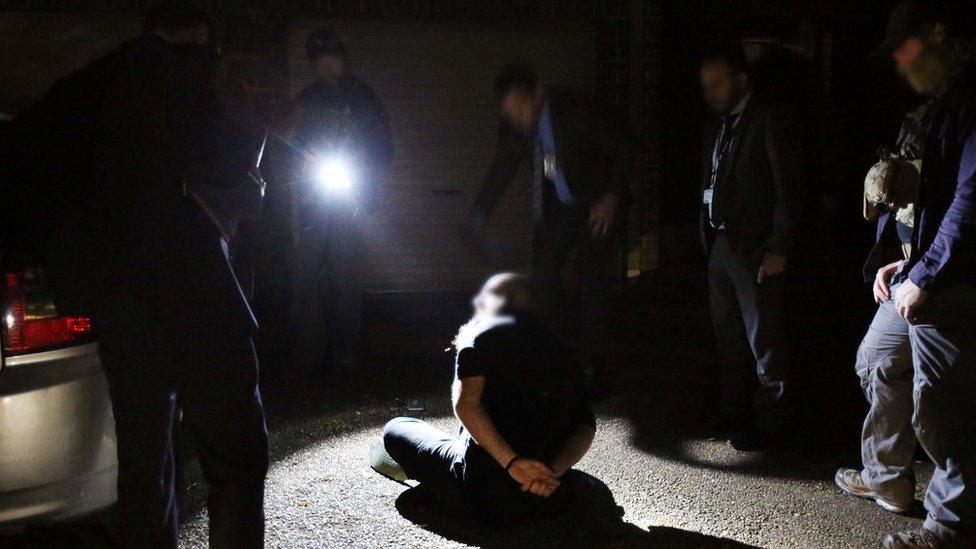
722	144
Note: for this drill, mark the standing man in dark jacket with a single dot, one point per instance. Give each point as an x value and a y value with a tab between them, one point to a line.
751	179
135	180
582	166
919	350
337	112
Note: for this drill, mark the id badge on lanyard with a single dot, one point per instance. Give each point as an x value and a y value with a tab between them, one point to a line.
549	166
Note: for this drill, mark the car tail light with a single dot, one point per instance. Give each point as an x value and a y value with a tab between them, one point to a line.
30	320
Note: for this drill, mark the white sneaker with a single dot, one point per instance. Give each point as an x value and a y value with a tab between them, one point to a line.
382	463
851	482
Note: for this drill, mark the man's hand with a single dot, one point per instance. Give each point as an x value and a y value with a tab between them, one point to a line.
540	488
908	299
772	265
602	215
882	281
534	476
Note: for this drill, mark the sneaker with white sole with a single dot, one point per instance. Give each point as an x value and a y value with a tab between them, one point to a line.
851	482
383	463
920	538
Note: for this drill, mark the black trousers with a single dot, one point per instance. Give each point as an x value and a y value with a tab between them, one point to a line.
441	463
215	384
326	304
564	236
751	345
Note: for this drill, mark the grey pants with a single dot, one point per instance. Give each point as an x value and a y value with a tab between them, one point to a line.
920	382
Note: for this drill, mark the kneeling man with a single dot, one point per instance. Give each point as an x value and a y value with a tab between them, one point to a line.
524	417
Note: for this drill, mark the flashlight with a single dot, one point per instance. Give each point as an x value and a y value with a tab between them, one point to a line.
333	175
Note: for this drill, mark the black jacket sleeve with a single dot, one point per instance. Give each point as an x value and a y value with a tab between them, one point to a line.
375	125
511	150
783	147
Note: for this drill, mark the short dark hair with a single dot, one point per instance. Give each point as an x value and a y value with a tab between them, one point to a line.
172	15
520	76
734	57
324	42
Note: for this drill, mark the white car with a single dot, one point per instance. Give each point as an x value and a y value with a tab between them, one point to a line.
57	435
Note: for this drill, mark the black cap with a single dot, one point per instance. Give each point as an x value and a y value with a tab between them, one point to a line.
324	42
907	19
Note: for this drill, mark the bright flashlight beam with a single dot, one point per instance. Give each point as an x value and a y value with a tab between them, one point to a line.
334	176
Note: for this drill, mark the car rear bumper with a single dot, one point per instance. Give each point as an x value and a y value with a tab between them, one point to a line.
57	437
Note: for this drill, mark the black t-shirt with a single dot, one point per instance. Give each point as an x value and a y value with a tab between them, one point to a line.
534	389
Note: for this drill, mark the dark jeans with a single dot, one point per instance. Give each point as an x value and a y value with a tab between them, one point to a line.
443	464
564	236
215	384
751	345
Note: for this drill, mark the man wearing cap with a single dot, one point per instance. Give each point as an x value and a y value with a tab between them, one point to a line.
917	361
338	107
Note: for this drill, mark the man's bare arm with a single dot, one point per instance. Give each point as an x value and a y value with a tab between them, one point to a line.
466	396
533	475
574	450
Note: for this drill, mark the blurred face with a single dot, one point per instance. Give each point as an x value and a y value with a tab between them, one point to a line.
503	291
908	52
925	63
520	108
330	68
721	86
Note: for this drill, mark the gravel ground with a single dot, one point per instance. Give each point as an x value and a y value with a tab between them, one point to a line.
681	492
677	488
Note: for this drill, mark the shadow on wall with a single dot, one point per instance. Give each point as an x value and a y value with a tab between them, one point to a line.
591	525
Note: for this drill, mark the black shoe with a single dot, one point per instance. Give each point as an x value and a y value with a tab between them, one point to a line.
721	428
748	442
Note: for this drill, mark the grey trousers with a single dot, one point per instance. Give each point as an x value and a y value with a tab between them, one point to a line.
920	382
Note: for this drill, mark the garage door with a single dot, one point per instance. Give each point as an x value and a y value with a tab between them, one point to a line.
436	82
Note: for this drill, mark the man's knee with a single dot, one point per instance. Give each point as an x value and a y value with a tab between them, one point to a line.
863	364
929	418
395	437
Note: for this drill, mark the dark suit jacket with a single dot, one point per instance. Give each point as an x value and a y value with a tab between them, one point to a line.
945	212
594	150
99	167
758	188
